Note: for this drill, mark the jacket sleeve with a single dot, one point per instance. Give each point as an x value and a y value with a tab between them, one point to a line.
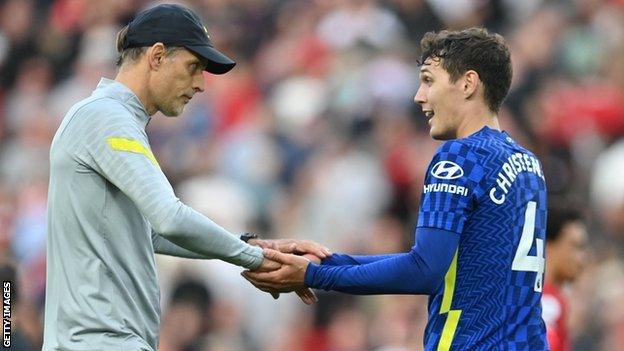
162	246
118	149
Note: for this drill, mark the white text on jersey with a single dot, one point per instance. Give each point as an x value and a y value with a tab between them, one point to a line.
516	163
446	188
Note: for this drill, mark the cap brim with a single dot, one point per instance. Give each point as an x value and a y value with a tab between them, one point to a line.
217	62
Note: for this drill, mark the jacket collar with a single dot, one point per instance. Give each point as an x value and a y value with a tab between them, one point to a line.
118	91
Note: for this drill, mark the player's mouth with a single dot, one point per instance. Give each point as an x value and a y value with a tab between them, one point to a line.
429	114
187	98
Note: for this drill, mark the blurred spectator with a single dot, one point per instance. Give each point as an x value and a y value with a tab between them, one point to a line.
365	21
607	189
566	249
186	318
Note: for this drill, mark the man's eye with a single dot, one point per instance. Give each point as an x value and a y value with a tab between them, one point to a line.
193	67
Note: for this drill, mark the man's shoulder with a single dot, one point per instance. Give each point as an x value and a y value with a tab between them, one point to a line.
462	149
104	107
93	114
484	147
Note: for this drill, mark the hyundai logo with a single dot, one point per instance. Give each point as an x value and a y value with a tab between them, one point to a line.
447	170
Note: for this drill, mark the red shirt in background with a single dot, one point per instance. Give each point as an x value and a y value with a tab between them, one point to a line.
555	315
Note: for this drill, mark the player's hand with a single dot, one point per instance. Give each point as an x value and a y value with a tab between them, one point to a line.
305	294
268	265
289	277
294	246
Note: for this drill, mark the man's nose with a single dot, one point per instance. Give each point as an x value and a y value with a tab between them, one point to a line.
420	97
199	82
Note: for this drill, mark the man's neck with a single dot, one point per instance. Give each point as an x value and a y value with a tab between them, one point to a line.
137	83
475	118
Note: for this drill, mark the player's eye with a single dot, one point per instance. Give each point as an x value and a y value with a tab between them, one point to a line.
193	67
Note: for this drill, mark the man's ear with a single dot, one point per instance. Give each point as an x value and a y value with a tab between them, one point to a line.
470	83
155	55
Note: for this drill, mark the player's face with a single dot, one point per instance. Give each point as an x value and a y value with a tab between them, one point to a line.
439	99
572	249
179	78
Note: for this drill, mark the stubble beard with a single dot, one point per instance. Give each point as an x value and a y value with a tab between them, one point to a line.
172	110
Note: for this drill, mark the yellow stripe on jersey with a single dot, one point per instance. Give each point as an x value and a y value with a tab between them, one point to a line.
131	145
449	285
452	318
449	330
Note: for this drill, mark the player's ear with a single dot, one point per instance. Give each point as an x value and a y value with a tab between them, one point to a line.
470	83
155	55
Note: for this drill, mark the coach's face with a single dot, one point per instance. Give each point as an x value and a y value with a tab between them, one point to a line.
439	99
178	77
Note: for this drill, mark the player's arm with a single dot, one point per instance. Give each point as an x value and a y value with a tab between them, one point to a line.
117	150
420	271
342	259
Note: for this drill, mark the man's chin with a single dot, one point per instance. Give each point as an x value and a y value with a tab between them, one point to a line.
173	113
439	135
435	134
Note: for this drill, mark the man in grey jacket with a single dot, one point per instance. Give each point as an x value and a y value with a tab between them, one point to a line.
110	207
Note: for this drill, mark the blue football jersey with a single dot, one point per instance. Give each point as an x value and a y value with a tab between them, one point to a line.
492	192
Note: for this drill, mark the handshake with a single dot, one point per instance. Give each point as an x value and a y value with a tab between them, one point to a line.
284	266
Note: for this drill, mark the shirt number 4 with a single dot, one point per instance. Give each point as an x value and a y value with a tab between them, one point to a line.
522	260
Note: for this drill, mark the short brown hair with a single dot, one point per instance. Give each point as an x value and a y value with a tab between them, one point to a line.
133	54
472	49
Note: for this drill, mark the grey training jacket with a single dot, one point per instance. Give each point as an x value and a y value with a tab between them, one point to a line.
110	208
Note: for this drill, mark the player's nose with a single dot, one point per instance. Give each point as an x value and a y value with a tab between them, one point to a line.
420	97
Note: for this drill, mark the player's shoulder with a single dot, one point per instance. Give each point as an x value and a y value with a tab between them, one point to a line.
471	147
487	145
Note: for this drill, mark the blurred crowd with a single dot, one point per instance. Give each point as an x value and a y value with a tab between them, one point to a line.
315	135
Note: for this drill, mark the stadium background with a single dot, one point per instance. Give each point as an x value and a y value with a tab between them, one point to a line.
314	135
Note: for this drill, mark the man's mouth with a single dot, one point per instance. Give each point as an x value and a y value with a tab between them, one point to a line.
429	113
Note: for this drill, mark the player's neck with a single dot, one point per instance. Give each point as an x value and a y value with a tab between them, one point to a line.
475	118
134	81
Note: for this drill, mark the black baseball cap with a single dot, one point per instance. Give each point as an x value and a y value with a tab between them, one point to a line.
175	25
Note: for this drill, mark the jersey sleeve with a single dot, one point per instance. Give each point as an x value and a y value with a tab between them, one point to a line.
420	271
452	184
341	259
117	149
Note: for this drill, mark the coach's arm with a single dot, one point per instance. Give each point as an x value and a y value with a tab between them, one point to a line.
162	246
119	151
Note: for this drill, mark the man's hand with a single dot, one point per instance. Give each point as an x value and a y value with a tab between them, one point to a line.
268	265
289	277
312	250
306	295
